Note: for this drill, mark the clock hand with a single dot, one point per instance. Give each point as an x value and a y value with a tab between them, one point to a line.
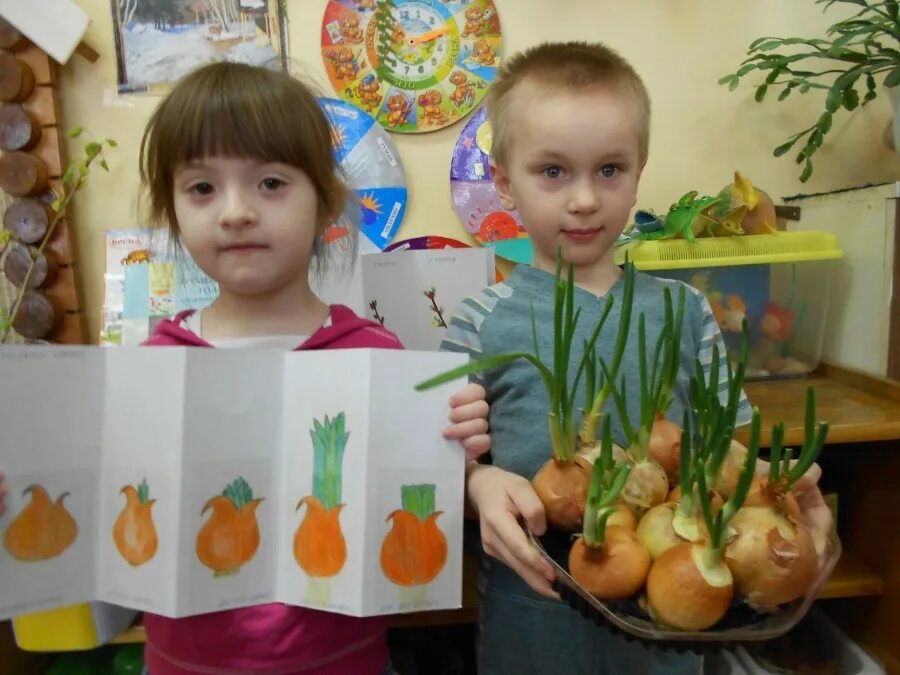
426	37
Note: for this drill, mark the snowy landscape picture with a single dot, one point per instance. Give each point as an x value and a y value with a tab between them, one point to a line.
159	41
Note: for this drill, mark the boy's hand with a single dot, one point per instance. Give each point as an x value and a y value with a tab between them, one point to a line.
500	498
2	495
816	514
468	414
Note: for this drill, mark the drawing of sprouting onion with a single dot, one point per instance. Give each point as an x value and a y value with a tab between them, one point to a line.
414	552
319	545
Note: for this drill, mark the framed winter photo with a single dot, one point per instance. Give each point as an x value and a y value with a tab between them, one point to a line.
159	41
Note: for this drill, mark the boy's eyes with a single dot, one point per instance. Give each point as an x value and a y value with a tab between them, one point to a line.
552	172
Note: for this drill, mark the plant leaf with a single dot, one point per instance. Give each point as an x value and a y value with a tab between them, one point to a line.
67	176
76	132
92	149
833	100
893	78
111	142
850	99
783	148
104	165
824	123
807	171
760	92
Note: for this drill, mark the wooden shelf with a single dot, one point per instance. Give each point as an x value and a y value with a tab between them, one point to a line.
857	407
852	579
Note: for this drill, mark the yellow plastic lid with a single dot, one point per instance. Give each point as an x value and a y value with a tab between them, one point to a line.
751	249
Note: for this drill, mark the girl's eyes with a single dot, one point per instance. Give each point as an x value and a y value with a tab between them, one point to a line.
272	183
201	188
608	170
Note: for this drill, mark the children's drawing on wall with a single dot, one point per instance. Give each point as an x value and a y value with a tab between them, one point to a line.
42	530
415	550
158	41
438	319
230	537
319	545
134	532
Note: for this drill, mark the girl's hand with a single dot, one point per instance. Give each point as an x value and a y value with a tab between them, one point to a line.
500	498
468	414
2	495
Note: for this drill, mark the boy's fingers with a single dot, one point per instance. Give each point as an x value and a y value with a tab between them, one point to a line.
533	569
529	505
469	411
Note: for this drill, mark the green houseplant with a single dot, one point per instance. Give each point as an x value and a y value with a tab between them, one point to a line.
845	65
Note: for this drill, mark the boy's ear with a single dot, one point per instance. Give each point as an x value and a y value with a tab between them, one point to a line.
637	181
501	185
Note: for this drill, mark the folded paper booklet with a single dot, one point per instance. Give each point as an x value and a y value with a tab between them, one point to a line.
411	293
181	481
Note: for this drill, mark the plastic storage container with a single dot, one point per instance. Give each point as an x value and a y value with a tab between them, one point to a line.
779	282
826	649
76	627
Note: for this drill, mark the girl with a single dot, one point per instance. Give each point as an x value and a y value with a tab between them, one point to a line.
237	162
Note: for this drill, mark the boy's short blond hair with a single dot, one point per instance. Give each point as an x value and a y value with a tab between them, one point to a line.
572	66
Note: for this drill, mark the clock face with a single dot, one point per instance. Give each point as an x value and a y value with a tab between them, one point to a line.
415	65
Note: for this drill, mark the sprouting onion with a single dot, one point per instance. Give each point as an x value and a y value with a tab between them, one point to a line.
607	560
562	482
690	587
665	435
598	391
772	556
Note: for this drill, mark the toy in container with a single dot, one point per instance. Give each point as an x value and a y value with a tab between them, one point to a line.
779	283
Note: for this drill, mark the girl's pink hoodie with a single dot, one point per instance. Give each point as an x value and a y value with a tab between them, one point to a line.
272	639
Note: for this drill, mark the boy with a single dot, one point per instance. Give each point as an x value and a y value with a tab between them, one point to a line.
570	129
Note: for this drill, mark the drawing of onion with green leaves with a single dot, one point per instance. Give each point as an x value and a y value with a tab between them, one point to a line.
319	545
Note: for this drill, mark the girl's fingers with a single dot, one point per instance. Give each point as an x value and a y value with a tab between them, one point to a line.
476	446
468	394
465	429
476	410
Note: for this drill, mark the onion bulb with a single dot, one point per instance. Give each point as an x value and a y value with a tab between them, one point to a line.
656	532
623	516
665	446
562	488
646	487
686	592
616	569
773	560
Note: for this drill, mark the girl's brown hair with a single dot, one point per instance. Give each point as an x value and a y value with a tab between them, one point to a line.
238	110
